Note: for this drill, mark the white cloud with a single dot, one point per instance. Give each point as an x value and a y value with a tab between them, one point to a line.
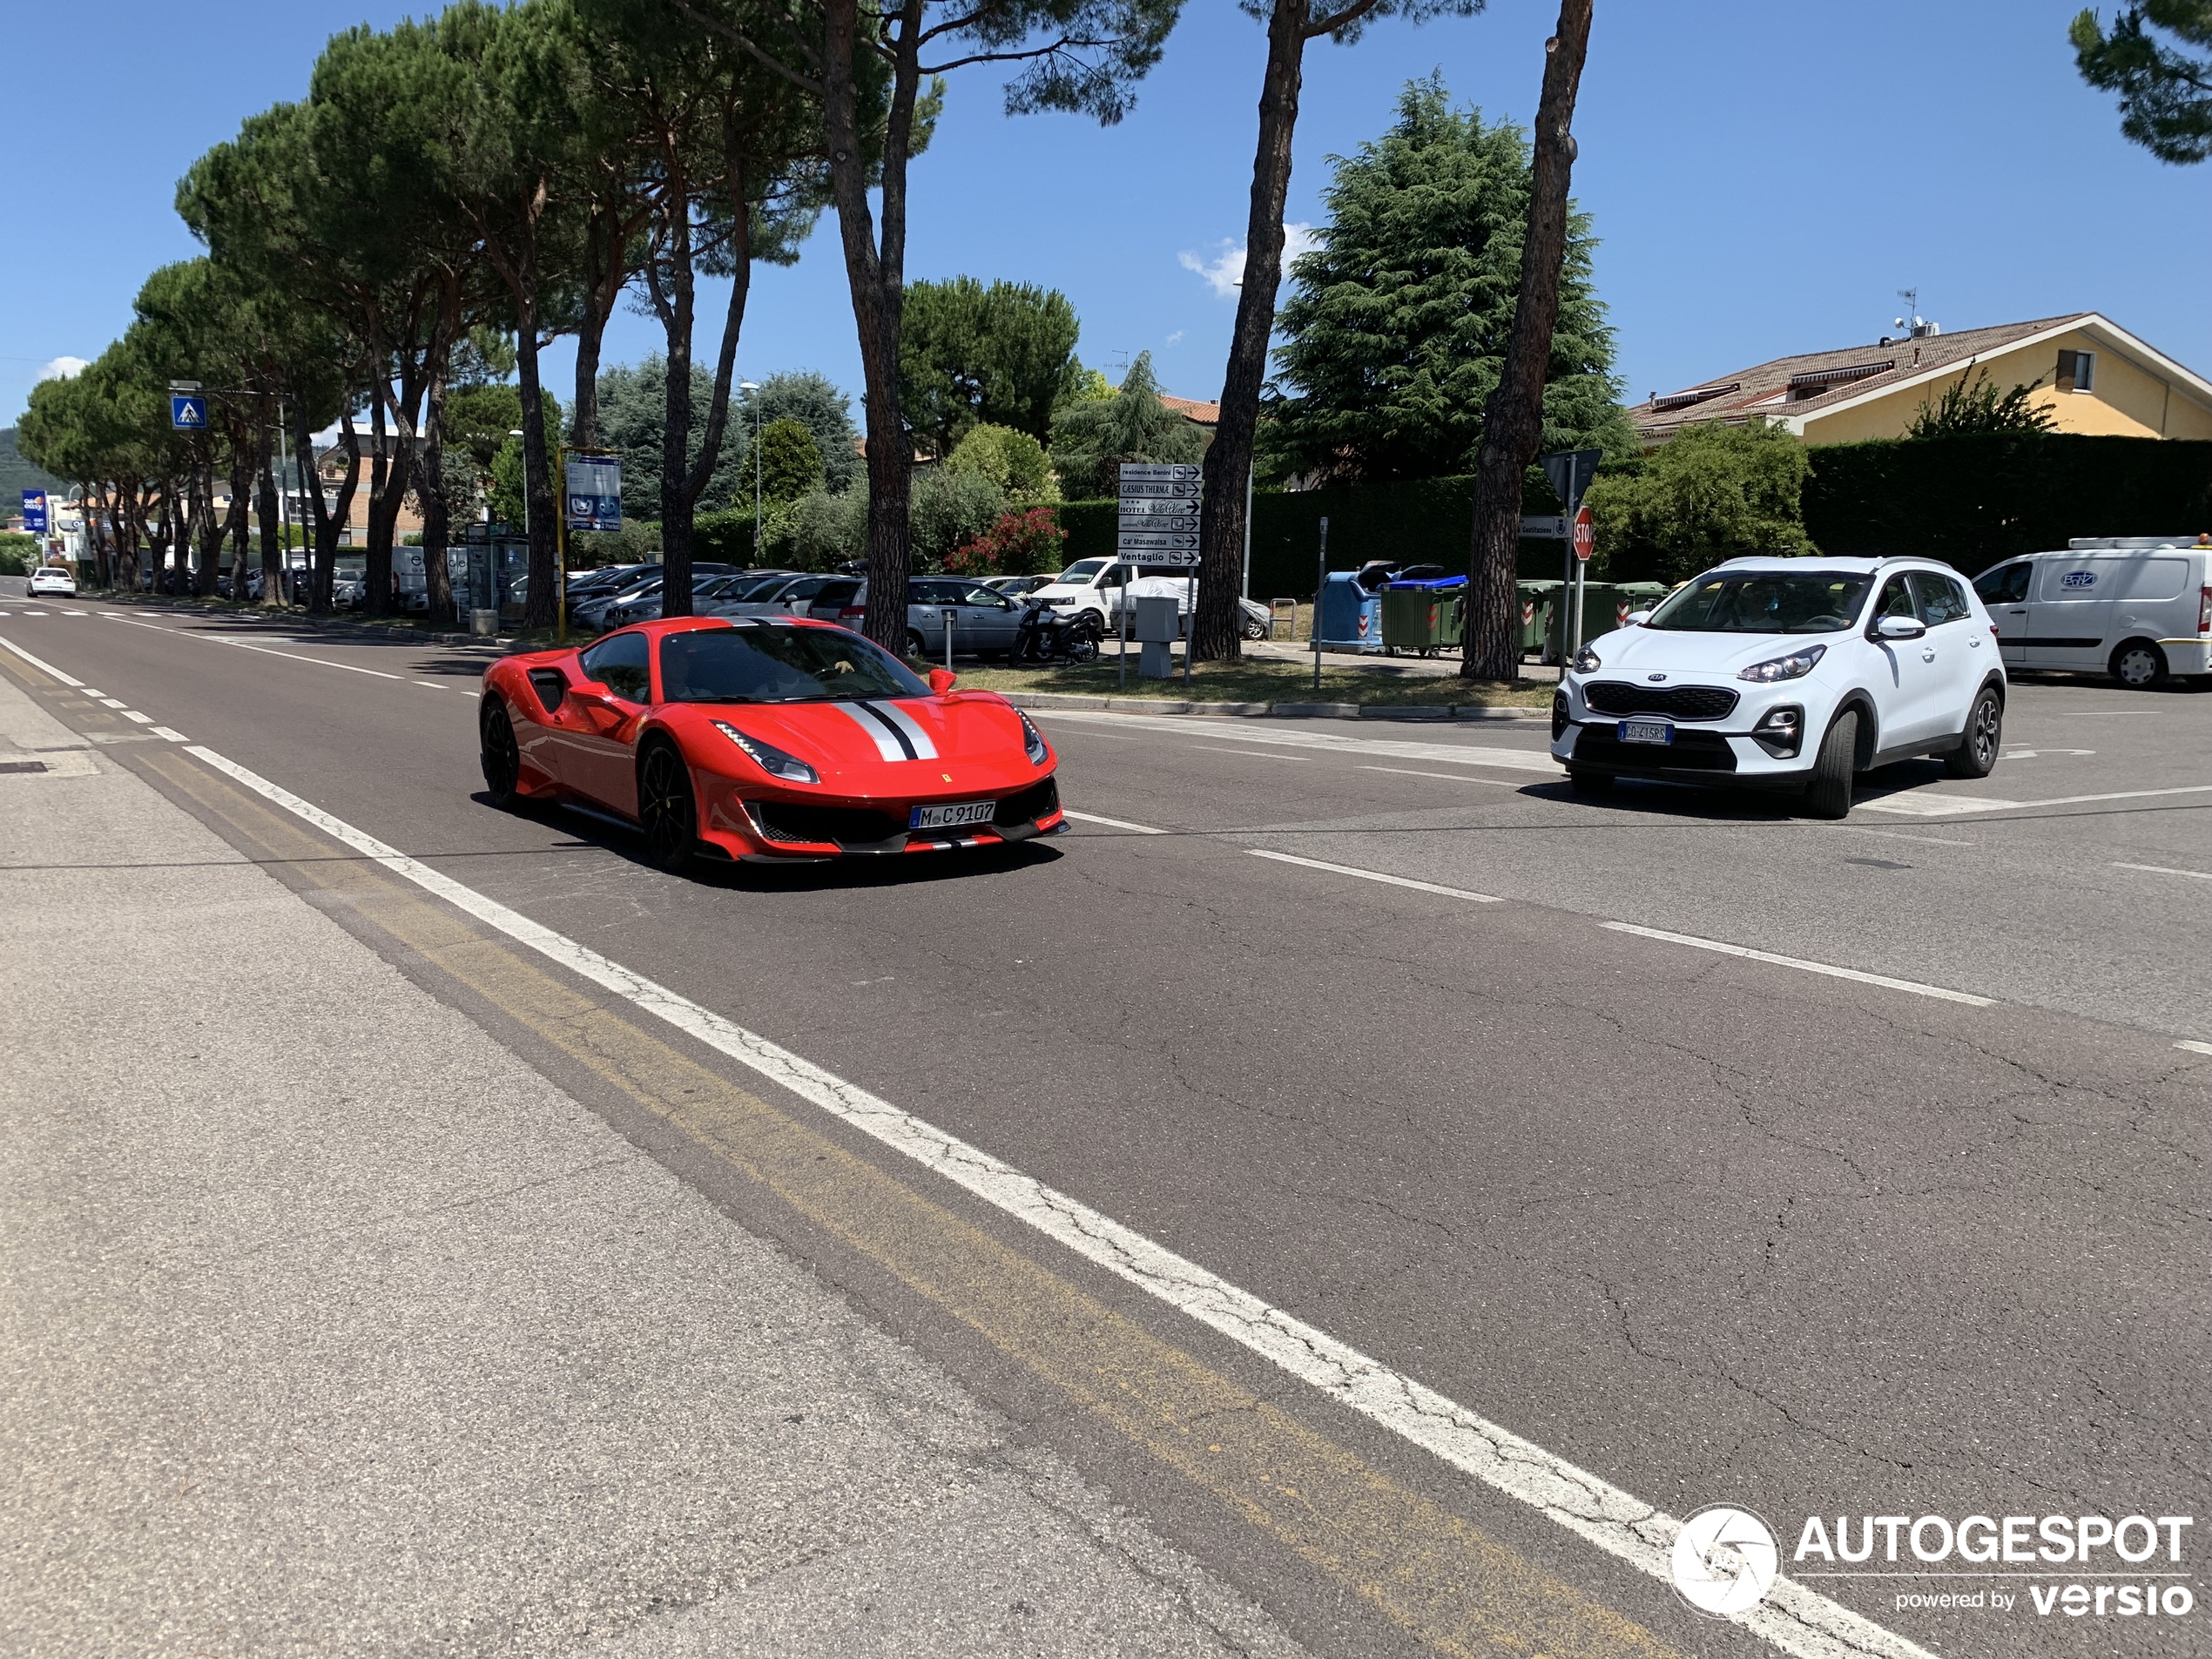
1224	273
63	368
1175	339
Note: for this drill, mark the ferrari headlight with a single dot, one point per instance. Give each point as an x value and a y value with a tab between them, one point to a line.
1795	666
1032	740
1588	661
770	759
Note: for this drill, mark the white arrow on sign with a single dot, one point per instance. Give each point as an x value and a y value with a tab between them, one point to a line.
1133	542
1149	472
1159	510
1142	491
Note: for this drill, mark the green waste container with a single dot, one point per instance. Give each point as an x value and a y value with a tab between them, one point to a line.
1423	619
1640	596
1538	600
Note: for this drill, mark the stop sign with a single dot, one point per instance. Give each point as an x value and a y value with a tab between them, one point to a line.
1585	535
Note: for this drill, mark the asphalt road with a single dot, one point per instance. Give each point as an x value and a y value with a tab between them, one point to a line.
1715	1228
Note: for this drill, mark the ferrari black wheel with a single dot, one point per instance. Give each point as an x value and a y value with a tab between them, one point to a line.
664	808
503	759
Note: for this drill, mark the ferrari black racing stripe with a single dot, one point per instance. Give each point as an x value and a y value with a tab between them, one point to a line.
890	742
911	736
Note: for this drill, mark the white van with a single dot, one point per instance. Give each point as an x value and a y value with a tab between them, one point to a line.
2138	608
1099	585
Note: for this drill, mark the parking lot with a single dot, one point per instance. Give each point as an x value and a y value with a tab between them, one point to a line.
1823	1168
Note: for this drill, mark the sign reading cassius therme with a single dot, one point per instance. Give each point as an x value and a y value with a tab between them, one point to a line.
1159	514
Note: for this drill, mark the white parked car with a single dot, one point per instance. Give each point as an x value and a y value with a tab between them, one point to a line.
1099	585
53	579
1789	673
2138	608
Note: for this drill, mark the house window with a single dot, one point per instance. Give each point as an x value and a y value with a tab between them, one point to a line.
2077	371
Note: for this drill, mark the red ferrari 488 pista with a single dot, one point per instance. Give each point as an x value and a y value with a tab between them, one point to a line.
768	740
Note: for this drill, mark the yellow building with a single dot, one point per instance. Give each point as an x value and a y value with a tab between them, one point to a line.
2093	375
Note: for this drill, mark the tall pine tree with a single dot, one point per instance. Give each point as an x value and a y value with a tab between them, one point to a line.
1396	327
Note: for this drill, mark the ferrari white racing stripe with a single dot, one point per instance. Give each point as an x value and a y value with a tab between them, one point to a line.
924	750
881	733
1797	1621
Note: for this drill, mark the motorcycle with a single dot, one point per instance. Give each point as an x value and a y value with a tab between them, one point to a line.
1045	635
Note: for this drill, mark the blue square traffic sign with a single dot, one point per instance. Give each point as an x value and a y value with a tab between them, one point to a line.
188	413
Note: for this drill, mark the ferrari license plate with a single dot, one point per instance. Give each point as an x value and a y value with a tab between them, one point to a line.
966	812
1646	732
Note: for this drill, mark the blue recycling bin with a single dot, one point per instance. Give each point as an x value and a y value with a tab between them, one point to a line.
1351	618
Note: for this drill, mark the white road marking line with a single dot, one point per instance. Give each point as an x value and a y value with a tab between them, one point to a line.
1448	776
2160	869
1913	986
2194	1048
69	680
72	613
434	684
112	702
143	719
1110	823
1798	1621
1249	754
240	644
34	613
1376	875
1933	805
173	737
1393	748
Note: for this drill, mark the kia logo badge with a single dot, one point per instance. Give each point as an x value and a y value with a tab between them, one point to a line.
1654	679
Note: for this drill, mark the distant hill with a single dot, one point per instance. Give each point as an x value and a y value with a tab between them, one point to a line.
18	474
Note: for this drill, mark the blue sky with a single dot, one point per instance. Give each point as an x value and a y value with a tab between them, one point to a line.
1763	179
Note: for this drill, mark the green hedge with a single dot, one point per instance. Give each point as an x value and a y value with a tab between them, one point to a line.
1974	501
1426	521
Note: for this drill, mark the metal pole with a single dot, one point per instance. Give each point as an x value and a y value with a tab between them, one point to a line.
945	616
1121	611
1190	626
1321	581
560	540
756	481
1248	540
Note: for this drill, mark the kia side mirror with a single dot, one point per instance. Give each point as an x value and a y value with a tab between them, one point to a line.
942	680
1899	628
1638	618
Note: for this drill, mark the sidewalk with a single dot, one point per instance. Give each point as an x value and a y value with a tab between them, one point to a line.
327	1325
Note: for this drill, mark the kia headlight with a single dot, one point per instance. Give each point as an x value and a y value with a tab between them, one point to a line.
770	759
1588	661
1033	742
1795	666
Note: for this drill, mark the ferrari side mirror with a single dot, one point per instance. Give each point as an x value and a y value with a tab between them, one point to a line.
942	680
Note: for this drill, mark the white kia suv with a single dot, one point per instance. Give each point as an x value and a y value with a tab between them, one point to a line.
1792	674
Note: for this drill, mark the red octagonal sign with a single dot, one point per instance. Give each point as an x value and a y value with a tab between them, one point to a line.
1585	535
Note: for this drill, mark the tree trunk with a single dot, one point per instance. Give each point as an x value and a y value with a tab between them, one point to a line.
272	553
878	286
673	299
430	490
376	575
1512	425
244	462
678	603
1218	631
537	485
328	520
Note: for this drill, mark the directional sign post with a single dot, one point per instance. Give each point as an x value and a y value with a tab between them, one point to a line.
1585	543
1159	526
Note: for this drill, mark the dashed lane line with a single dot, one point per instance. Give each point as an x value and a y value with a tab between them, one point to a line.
1829	968
1448	776
1793	1618
2194	1048
2161	869
1376	875
1110	823
1923	803
132	714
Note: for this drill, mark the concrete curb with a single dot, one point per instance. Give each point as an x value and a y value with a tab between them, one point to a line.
1274	710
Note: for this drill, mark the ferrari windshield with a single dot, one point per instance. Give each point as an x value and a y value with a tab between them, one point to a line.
774	663
1767	601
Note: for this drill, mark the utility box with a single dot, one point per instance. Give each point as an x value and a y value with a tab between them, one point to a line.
1158	625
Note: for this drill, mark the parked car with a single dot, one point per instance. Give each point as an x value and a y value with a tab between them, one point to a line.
647	607
793	596
744	587
1787	673
1100	584
985	621
2138	608
51	579
605	579
1016	587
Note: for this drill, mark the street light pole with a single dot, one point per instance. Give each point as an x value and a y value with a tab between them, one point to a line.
753	386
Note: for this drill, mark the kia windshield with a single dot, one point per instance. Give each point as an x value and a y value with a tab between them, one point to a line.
779	664
1769	602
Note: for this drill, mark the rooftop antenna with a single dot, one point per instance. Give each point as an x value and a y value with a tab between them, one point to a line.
1915	326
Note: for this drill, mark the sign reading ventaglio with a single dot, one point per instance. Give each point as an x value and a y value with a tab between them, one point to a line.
1159	514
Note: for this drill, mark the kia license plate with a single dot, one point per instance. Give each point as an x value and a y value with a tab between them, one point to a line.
948	817
1646	732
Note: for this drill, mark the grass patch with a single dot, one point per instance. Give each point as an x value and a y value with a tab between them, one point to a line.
1253	681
